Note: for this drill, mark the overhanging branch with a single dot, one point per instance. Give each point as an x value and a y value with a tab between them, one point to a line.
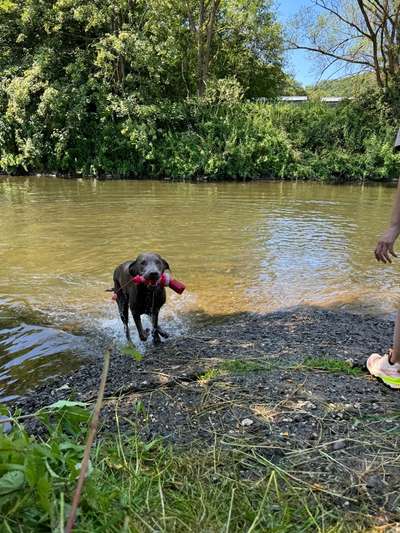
294	46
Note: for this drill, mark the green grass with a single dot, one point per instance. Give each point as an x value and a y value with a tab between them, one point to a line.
211	373
240	366
131	351
235	366
136	486
145	487
335	366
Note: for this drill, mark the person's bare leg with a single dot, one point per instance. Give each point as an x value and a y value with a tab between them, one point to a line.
387	367
395	353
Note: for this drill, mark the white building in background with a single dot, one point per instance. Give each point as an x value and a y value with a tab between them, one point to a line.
293	99
334	99
330	100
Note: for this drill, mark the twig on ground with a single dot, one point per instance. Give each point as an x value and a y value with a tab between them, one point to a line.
89	442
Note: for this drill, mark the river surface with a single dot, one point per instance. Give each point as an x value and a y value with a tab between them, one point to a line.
238	247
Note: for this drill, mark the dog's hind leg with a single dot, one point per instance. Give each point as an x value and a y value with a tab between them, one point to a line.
124	314
123	308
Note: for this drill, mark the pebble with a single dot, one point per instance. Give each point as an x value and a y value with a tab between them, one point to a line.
64	387
374	482
309	405
339	445
247	422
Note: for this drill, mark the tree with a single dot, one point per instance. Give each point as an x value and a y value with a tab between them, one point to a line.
217	39
203	33
363	34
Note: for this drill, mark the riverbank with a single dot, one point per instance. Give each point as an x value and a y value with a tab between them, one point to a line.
202	140
289	386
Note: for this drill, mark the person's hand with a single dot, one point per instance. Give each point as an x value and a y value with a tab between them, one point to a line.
384	248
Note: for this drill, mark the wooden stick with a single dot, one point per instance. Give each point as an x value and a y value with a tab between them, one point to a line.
86	455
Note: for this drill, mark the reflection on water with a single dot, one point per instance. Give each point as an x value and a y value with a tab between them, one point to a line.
30	353
238	247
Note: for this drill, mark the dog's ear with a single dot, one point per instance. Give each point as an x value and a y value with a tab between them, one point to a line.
165	264
133	270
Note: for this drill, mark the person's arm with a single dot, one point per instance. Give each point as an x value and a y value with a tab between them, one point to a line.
384	248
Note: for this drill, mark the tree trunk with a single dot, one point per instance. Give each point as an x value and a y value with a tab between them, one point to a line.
200	49
207	50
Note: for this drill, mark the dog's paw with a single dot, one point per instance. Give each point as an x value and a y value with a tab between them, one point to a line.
156	339
144	335
163	333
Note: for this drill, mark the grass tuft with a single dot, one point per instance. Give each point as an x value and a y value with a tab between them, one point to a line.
234	366
335	366
131	351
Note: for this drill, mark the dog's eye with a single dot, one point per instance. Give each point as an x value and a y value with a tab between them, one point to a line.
143	263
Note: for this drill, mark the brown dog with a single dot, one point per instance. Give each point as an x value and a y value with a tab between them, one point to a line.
141	299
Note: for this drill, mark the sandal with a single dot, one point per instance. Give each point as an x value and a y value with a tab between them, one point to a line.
383	368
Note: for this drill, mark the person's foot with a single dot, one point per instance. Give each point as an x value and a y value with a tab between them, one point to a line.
384	368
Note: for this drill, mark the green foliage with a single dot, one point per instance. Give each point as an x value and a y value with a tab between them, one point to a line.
348	86
34	474
137	486
235	366
335	366
97	89
69	416
131	351
349	142
218	137
212	373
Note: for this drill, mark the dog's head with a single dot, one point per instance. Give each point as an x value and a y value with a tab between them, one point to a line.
149	265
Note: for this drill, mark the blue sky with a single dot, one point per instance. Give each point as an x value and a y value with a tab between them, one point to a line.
300	62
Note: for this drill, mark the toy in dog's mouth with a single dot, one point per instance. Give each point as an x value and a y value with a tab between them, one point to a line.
165	280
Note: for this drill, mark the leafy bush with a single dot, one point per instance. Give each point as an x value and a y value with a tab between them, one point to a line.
34	474
218	137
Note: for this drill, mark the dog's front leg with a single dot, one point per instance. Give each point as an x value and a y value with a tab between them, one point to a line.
143	334
156	331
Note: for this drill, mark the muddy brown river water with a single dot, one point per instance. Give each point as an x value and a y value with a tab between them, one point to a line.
259	246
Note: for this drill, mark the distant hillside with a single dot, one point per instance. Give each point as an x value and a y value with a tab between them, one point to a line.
346	86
